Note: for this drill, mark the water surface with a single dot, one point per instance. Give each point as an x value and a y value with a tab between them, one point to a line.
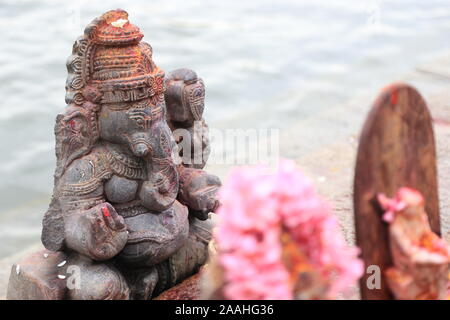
265	64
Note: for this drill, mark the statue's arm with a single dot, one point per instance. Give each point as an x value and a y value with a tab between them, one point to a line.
185	102
198	191
92	226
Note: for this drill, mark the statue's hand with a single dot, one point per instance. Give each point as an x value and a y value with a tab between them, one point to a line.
109	234
211	205
198	190
99	232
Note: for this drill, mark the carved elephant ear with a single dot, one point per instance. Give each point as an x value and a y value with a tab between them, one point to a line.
52	235
185	96
76	131
194	96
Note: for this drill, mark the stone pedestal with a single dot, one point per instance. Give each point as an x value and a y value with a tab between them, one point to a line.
35	277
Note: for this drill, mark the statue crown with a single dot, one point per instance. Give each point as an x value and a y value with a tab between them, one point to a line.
111	59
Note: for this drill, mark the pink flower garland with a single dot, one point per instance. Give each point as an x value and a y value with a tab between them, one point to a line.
403	198
256	207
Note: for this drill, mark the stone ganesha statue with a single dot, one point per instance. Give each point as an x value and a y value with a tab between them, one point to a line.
130	218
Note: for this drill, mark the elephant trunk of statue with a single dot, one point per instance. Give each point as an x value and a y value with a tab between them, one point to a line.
161	188
140	144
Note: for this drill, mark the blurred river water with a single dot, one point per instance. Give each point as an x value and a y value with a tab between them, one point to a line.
266	64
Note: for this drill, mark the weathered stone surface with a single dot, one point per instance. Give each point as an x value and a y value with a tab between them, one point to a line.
96	281
155	237
189	289
142	282
199	191
194	253
185	93
35	277
188	259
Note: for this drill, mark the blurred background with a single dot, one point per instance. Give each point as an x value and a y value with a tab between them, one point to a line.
266	64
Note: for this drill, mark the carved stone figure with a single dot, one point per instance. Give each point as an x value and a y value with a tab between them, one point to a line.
125	215
186	93
420	258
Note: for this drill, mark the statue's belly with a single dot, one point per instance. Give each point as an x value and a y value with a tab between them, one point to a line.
120	190
153	237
